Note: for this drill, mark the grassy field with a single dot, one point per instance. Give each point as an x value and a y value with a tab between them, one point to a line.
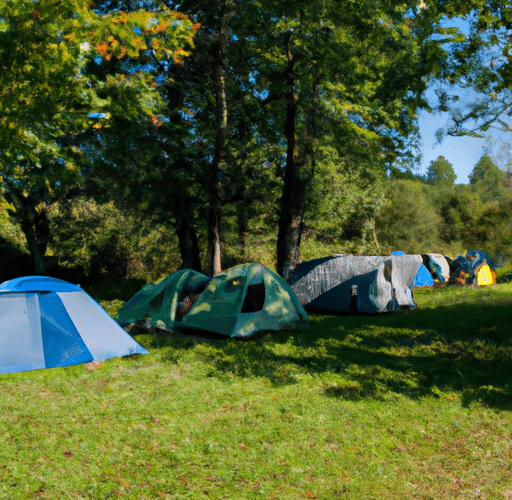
411	405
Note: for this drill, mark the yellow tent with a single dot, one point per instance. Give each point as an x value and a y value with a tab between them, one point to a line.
484	276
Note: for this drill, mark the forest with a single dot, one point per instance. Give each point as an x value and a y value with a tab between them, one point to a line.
139	137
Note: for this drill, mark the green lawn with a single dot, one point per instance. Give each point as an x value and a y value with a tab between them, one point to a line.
411	405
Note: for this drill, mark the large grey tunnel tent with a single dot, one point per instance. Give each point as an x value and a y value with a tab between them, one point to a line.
362	284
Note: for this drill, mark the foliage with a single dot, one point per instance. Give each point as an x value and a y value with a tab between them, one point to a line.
440	173
47	97
408	220
109	242
504	274
118	99
480	97
415	403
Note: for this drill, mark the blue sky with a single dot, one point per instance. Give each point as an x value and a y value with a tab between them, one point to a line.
462	152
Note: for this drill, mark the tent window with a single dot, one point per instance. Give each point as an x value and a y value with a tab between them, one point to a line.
254	299
157	301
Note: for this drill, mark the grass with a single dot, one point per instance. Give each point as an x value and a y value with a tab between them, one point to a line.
411	405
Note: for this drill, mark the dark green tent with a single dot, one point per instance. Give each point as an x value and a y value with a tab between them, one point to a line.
243	301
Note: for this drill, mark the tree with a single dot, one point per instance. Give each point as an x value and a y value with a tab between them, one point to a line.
479	96
408	220
39	76
363	65
486	170
487	179
48	100
440	173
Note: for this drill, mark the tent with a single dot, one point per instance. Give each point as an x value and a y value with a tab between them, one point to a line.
438	266
345	283
422	276
404	270
244	301
162	303
485	276
46	322
475	268
364	284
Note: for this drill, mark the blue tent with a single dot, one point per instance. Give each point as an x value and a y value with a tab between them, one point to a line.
423	278
477	258
46	322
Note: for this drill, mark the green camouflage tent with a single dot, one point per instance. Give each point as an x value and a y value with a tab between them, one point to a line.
243	301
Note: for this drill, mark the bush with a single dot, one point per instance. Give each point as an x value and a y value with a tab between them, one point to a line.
504	274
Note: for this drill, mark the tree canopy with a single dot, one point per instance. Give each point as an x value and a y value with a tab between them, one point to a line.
48	98
220	119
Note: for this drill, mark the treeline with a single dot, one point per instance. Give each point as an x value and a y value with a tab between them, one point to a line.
141	136
416	214
434	214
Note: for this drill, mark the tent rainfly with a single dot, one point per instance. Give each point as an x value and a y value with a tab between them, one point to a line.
244	301
404	270
475	269
343	284
46	323
362	284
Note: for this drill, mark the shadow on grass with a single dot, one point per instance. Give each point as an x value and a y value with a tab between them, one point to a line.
461	350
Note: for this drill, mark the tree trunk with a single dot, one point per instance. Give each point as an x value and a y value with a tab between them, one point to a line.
27	226
243	225
296	179
189	247
34	224
42	230
221	112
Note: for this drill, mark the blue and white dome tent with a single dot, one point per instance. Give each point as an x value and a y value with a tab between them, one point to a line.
46	322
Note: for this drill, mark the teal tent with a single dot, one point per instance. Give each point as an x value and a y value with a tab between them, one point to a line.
243	301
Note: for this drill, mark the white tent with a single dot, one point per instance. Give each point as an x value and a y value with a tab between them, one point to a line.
438	266
46	322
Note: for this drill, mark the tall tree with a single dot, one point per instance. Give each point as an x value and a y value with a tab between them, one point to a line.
408	220
440	173
48	99
363	65
219	151
480	95
40	63
487	179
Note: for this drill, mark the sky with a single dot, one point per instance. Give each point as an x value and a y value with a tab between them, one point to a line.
462	152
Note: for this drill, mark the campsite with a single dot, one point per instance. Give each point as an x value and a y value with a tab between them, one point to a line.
414	404
228	269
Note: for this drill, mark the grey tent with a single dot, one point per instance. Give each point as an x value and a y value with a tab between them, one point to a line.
342	284
362	284
404	269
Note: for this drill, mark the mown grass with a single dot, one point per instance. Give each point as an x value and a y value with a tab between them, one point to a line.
415	404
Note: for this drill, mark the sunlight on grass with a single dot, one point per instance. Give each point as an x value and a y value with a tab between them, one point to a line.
415	404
